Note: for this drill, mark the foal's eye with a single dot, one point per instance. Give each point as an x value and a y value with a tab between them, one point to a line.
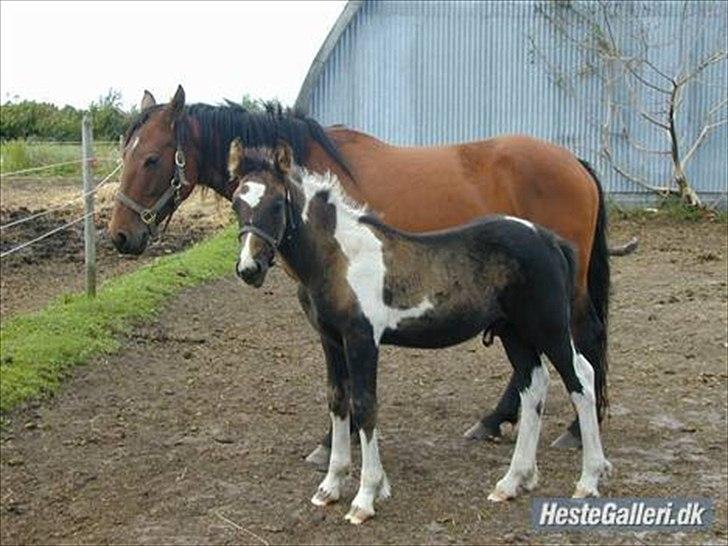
151	161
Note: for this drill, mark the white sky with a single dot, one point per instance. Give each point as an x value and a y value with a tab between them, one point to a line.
73	52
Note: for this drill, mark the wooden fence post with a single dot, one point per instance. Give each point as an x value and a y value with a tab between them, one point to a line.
89	228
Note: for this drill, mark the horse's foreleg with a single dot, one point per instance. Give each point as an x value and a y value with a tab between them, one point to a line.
340	457
362	355
532	381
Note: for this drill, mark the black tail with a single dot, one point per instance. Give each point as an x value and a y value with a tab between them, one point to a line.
594	340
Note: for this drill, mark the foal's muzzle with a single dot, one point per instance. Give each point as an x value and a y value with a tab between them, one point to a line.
253	276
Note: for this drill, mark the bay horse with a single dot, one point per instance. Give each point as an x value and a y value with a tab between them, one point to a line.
171	148
370	284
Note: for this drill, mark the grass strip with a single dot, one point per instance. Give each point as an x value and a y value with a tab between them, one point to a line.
37	349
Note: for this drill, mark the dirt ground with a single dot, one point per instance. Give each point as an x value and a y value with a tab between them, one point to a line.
196	431
54	265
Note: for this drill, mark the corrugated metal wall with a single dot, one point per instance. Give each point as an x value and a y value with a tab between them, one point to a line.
432	72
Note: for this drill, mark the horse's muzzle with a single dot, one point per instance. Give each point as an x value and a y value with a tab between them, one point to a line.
127	243
253	276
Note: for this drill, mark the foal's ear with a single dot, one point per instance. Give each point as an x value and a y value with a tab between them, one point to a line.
148	101
177	104
235	157
283	157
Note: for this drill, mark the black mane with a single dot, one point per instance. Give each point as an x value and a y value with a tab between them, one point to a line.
219	125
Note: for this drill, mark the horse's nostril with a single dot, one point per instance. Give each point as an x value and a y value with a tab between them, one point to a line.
120	240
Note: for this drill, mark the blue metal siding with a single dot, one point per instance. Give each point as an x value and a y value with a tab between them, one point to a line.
423	73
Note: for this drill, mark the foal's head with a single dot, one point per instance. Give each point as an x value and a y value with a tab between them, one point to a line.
259	203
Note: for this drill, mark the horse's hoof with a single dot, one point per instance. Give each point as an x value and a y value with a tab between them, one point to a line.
567	441
319	457
357	515
582	492
499	496
480	432
324	498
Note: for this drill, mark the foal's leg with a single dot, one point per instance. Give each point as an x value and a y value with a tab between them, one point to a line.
578	376
532	383
362	355
340	461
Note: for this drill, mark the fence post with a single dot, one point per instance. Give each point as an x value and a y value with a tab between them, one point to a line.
89	228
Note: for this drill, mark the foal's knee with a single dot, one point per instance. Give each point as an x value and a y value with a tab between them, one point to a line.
338	401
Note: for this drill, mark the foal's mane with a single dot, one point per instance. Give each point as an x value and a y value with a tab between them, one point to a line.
219	125
328	182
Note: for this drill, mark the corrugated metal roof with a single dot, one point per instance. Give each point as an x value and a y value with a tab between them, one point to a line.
419	73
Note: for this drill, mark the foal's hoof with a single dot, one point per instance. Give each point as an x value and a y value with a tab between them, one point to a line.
324	498
567	441
319	457
500	496
582	492
480	431
358	515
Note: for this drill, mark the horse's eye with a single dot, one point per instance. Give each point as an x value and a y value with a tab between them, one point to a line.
151	161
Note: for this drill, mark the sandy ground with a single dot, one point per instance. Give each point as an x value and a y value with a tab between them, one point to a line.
196	431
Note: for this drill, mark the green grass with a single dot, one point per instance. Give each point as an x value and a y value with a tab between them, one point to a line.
668	208
17	155
37	350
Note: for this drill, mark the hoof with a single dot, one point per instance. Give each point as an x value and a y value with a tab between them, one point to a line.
567	441
319	457
479	432
499	496
585	492
324	498
357	516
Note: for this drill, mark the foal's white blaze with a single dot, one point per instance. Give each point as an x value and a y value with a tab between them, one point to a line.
246	261
330	489
521	221
253	194
373	484
594	463
522	474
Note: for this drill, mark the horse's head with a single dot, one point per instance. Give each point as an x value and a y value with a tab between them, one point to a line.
156	175
260	205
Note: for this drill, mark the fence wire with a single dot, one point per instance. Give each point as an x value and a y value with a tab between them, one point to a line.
54	165
62	206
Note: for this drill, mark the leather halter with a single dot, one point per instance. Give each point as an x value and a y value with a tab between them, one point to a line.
271	241
173	194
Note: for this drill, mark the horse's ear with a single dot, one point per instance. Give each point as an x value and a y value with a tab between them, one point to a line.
283	157
177	104
148	101
235	157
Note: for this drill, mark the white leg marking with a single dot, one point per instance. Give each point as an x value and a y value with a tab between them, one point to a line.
246	261
594	463
374	483
522	474
253	194
339	463
521	221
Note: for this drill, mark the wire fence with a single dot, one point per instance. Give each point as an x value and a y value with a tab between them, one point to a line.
86	195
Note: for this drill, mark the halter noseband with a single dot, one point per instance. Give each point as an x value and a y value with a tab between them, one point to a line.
173	193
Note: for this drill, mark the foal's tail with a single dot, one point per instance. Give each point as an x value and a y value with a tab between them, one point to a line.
594	341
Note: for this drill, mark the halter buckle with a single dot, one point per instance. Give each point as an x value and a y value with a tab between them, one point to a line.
179	159
148	216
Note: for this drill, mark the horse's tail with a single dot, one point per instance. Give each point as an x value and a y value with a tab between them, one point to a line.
598	283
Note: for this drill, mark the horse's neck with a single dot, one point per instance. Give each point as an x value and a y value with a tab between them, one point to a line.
314	244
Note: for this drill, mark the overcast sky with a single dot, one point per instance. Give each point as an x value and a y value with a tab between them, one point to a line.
73	52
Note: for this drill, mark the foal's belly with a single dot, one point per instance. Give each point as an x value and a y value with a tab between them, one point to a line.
430	332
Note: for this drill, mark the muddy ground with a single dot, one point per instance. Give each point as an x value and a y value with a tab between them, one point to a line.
54	265
196	431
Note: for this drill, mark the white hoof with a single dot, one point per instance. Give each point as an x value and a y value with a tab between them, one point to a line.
585	492
358	515
319	457
322	497
499	496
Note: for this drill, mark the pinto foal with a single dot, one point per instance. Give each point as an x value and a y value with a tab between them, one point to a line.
365	284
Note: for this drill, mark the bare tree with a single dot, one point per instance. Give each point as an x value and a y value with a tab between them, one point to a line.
618	46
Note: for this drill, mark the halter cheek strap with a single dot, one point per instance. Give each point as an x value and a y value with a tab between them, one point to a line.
172	194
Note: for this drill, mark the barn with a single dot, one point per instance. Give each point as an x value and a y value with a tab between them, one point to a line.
432	72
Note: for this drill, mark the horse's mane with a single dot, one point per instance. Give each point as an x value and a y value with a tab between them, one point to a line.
219	125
